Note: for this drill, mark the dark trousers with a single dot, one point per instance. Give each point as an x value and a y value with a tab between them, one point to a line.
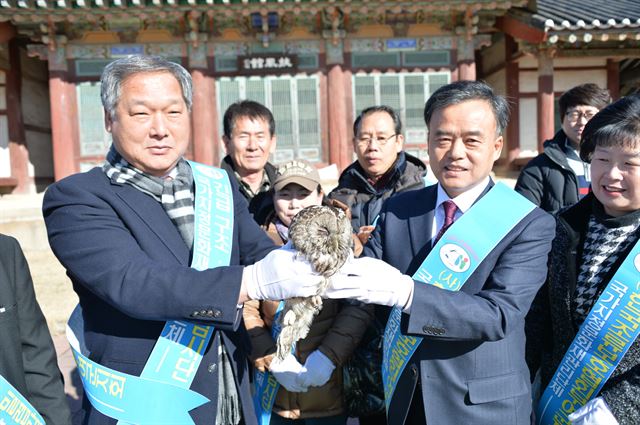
414	417
416	409
329	420
378	419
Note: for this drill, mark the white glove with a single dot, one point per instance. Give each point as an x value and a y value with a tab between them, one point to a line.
373	282
280	275
287	373
318	370
595	412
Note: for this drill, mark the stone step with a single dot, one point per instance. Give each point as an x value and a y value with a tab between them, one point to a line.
21	217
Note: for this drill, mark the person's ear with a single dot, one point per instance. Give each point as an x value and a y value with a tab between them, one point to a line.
497	145
107	121
399	142
272	148
226	141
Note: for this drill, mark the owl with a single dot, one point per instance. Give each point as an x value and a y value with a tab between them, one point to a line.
322	235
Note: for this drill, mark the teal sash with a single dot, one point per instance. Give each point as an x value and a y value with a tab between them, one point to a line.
458	253
14	408
612	325
266	385
161	394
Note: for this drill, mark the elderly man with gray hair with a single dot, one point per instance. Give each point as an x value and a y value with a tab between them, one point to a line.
162	253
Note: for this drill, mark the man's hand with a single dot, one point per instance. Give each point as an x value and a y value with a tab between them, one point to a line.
287	372
280	275
373	282
364	233
317	370
595	412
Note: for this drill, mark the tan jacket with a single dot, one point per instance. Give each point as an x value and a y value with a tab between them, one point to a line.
336	332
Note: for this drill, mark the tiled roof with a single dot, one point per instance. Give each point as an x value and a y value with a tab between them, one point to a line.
427	5
563	15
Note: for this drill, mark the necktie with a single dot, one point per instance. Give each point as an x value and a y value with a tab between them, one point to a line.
450	209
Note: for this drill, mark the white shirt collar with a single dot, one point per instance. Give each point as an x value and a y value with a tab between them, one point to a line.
173	173
465	200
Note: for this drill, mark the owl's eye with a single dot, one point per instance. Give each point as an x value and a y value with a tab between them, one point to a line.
323	231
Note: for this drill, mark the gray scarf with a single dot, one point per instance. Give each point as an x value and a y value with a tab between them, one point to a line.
175	194
177	198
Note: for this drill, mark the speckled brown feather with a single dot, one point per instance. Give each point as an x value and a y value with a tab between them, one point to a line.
322	235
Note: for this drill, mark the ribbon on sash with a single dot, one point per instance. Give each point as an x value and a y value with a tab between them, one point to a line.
161	394
458	253
14	408
266	385
612	325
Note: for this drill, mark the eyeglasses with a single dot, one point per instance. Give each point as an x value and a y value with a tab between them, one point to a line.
574	116
365	141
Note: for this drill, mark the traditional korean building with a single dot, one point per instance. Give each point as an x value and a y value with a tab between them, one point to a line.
315	63
549	46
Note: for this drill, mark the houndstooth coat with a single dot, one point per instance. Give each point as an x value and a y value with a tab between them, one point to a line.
550	325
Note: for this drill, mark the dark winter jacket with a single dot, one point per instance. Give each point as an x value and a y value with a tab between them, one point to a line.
550	326
547	180
261	205
365	201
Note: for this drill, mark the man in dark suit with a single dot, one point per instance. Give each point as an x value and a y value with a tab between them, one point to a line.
470	366
27	356
125	234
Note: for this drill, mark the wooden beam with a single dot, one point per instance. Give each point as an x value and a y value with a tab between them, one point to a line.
7	31
520	30
611	53
9	182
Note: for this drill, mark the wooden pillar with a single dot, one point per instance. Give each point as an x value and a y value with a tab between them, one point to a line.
64	114
204	118
613	78
348	152
63	135
466	63
340	147
513	92
467	70
454	74
339	142
545	97
18	149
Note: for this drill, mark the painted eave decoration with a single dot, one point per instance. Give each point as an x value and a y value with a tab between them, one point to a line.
583	22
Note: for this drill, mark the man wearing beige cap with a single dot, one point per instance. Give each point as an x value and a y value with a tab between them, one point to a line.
310	385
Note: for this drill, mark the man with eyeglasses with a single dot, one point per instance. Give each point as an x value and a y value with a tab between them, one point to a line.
381	170
558	177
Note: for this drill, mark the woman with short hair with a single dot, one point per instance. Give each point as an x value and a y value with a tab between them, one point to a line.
593	239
